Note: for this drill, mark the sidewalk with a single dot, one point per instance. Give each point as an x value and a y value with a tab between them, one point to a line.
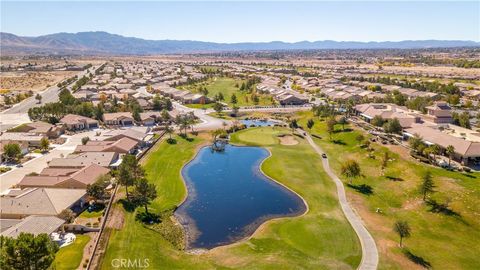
369	248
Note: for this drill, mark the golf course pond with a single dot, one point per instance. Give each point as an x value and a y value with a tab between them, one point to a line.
229	197
258	123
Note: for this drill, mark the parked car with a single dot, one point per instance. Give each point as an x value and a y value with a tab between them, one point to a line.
324	155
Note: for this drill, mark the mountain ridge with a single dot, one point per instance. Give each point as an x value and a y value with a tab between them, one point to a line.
100	42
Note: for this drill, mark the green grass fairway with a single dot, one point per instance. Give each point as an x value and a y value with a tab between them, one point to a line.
445	241
321	239
70	257
227	87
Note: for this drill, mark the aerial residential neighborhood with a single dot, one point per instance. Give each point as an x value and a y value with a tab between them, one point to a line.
164	142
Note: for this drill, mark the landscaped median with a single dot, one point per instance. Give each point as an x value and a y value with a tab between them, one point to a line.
319	239
445	228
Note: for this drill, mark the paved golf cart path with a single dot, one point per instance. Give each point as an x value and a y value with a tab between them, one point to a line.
369	248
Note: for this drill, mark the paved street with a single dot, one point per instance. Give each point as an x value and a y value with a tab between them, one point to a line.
369	248
10	120
48	95
208	122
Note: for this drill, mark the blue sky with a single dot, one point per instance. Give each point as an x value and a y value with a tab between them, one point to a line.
228	21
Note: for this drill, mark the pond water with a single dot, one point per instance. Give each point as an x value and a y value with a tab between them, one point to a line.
229	197
257	123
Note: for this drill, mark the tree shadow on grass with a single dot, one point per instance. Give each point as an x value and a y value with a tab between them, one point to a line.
470	175
299	135
147	218
442	208
417	259
340	142
343	130
393	178
129	206
171	141
363	188
185	137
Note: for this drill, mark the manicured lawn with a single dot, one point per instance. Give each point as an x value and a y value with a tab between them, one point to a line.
321	239
70	257
200	106
96	212
446	241
227	87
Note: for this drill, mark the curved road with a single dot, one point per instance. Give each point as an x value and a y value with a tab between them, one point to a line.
369	248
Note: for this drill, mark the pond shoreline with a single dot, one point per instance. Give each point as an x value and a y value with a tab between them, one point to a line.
249	230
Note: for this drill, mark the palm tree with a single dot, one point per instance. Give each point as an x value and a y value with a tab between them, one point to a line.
385	159
403	230
450	151
435	151
168	130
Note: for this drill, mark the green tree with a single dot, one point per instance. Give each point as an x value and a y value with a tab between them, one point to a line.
450	151
310	123
454	99
435	151
38	97
12	151
85	140
392	126
164	116
218	107
144	193
27	252
385	159
97	189
99	111
402	229
235	110
44	144
168	130
293	124
415	142
68	215
377	121
331	126
233	99
350	169
136	115
427	186
129	172
66	97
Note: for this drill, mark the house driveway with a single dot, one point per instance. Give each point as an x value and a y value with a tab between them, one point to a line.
369	248
36	165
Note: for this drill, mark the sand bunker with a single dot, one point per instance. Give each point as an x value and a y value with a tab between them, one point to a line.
287	140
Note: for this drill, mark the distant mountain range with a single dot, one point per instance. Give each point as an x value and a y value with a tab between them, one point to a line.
106	43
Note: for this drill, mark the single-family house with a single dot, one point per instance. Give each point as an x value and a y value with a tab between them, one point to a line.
64	177
78	122
118	119
18	204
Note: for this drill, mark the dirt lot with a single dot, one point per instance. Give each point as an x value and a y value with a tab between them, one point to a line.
32	80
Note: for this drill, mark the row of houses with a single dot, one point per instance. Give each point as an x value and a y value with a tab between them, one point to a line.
183	96
434	127
282	95
35	202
